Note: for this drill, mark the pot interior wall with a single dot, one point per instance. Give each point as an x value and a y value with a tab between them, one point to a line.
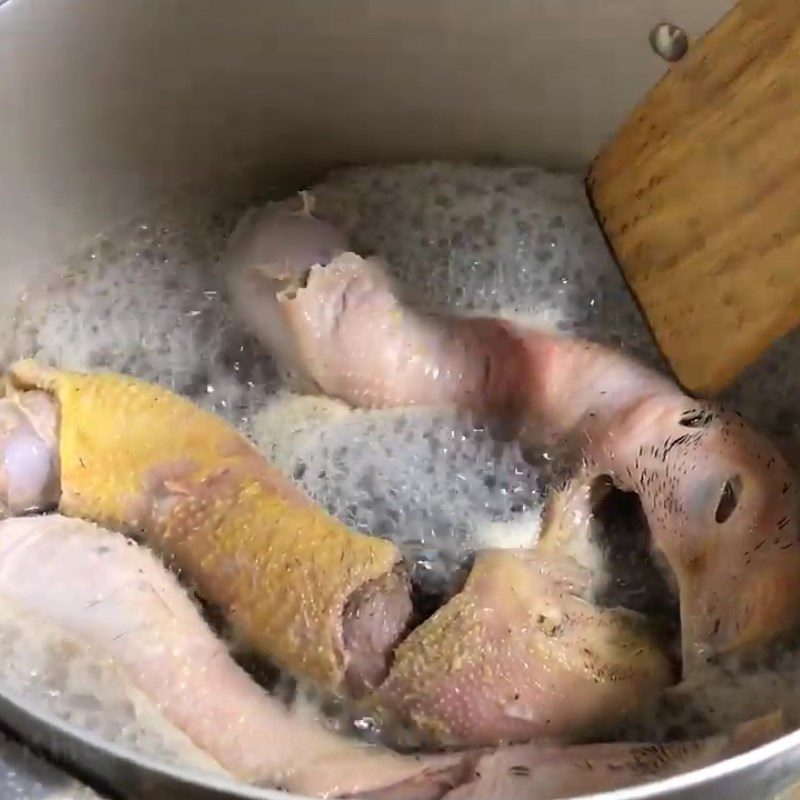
107	106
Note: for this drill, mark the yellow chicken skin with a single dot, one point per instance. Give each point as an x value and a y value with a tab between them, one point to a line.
289	578
549	663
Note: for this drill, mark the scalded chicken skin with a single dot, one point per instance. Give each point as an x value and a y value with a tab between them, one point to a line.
720	501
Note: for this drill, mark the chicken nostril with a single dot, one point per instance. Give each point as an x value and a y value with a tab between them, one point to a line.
729	499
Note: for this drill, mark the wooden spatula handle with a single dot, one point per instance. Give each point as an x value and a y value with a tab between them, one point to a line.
699	196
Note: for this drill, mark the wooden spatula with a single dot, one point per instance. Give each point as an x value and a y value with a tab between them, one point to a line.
699	196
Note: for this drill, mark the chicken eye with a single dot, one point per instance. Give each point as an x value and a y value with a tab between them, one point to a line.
729	499
697	418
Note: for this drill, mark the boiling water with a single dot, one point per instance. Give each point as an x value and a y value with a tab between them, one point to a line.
148	300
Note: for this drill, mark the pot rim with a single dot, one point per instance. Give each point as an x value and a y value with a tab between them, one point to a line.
57	737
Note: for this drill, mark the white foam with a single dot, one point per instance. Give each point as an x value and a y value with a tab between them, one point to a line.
147	302
519	533
432	482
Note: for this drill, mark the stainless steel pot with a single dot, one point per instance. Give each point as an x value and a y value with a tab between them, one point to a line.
111	106
758	775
